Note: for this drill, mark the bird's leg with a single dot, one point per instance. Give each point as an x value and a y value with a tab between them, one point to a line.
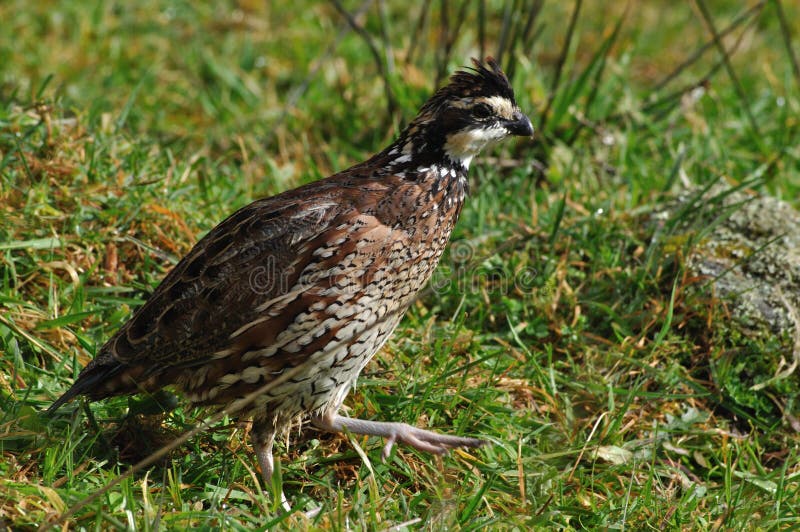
263	436
263	448
424	440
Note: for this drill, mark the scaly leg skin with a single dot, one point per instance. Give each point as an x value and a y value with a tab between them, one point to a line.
263	437
421	439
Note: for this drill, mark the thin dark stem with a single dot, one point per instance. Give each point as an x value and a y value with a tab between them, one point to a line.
460	18
444	30
387	42
418	28
787	40
449	35
562	59
704	82
743	98
297	92
600	70
697	54
482	28
658	109
391	103
505	30
523	36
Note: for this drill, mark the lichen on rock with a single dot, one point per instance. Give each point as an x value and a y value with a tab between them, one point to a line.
752	257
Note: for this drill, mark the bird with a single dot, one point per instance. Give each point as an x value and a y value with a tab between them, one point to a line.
293	294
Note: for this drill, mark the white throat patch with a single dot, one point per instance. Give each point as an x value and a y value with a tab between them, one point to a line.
464	145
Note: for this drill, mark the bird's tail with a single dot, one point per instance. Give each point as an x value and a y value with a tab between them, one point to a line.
92	381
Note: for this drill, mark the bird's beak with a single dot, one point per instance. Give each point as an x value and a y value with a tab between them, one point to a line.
520	125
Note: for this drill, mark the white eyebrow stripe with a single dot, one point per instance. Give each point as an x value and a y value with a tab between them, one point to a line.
502	106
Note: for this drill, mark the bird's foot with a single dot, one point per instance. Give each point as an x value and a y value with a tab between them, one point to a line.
421	439
425	440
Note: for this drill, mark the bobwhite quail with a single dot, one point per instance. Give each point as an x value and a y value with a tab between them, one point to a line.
317	277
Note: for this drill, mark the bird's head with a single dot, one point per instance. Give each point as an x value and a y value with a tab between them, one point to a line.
476	108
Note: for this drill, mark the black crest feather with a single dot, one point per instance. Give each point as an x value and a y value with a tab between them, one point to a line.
484	79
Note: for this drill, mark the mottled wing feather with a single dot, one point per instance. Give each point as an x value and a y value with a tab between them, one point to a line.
338	299
248	259
241	289
216	288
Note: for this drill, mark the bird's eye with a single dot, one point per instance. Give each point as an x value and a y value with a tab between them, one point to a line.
481	110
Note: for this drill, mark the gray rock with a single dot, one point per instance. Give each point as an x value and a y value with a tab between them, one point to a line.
752	256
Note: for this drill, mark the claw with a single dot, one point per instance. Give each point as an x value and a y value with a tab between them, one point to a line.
387	449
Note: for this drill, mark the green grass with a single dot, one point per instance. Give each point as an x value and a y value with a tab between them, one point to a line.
561	326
